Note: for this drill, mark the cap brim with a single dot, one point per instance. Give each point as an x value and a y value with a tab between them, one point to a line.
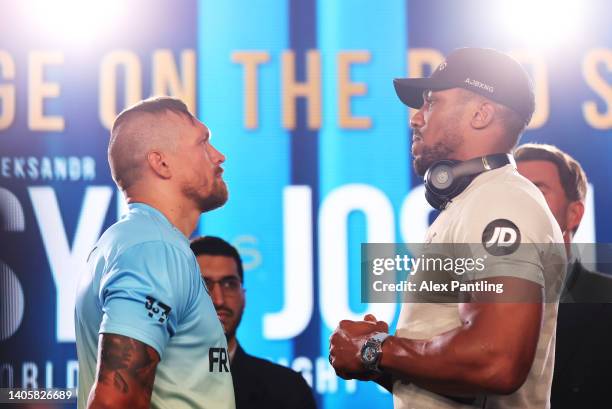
410	90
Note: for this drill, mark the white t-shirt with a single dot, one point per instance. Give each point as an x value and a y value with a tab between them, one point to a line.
496	198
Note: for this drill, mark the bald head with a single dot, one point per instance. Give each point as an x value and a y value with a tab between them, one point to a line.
153	124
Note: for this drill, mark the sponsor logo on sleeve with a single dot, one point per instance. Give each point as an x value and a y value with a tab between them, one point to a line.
157	309
501	237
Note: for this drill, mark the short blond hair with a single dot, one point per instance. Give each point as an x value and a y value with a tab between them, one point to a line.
124	142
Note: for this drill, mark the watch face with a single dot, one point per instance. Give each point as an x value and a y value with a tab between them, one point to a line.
369	354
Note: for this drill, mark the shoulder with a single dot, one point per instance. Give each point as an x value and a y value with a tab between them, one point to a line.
507	197
596	277
590	286
152	263
152	273
132	229
261	383
506	190
154	254
136	234
266	365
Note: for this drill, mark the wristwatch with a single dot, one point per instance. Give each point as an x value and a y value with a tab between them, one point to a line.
371	351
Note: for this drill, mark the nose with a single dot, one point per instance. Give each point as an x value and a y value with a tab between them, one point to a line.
417	120
218	157
216	294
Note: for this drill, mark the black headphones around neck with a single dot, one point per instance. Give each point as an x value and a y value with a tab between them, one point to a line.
446	179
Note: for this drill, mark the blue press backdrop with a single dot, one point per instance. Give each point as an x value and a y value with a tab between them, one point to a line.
310	178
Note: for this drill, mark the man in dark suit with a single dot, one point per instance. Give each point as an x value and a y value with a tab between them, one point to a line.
583	357
257	383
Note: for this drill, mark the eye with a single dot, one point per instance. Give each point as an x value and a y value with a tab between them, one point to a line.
230	283
428	100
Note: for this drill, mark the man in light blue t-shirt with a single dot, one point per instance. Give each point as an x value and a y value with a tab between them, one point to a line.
147	331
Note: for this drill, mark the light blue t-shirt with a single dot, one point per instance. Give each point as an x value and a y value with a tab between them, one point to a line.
143	282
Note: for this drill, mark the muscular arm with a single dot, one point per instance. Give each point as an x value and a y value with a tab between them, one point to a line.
125	374
491	352
386	381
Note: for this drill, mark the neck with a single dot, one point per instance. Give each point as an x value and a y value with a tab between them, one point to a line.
482	146
567	238
180	215
231	345
480	154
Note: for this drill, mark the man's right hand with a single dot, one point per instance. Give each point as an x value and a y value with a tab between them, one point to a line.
345	347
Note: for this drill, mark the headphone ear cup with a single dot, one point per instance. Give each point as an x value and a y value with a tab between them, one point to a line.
440	183
434	200
440	178
446	179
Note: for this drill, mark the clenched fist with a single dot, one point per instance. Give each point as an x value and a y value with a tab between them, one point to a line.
345	346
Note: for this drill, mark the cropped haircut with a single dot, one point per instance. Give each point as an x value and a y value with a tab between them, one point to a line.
123	144
513	124
153	105
511	121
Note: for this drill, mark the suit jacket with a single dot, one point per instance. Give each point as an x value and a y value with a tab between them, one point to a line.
261	384
583	355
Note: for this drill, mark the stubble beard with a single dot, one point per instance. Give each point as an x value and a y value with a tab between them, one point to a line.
231	332
216	198
443	149
430	155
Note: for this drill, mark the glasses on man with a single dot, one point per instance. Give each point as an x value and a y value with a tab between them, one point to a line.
229	285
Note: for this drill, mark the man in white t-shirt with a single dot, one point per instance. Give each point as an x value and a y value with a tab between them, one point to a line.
485	349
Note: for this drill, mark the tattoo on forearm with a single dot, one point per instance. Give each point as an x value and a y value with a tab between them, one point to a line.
126	363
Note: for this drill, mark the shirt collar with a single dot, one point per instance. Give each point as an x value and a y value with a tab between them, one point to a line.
483	178
157	215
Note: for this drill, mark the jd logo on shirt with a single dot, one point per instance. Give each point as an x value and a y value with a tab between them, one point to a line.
501	237
217	356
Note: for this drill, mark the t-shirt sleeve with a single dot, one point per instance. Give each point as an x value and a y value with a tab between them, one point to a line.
141	295
508	230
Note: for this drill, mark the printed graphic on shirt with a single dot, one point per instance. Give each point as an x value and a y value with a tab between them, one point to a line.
501	237
157	309
218	360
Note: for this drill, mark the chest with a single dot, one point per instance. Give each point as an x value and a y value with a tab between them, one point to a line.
441	230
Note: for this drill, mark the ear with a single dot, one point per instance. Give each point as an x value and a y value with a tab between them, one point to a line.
573	215
483	115
158	163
